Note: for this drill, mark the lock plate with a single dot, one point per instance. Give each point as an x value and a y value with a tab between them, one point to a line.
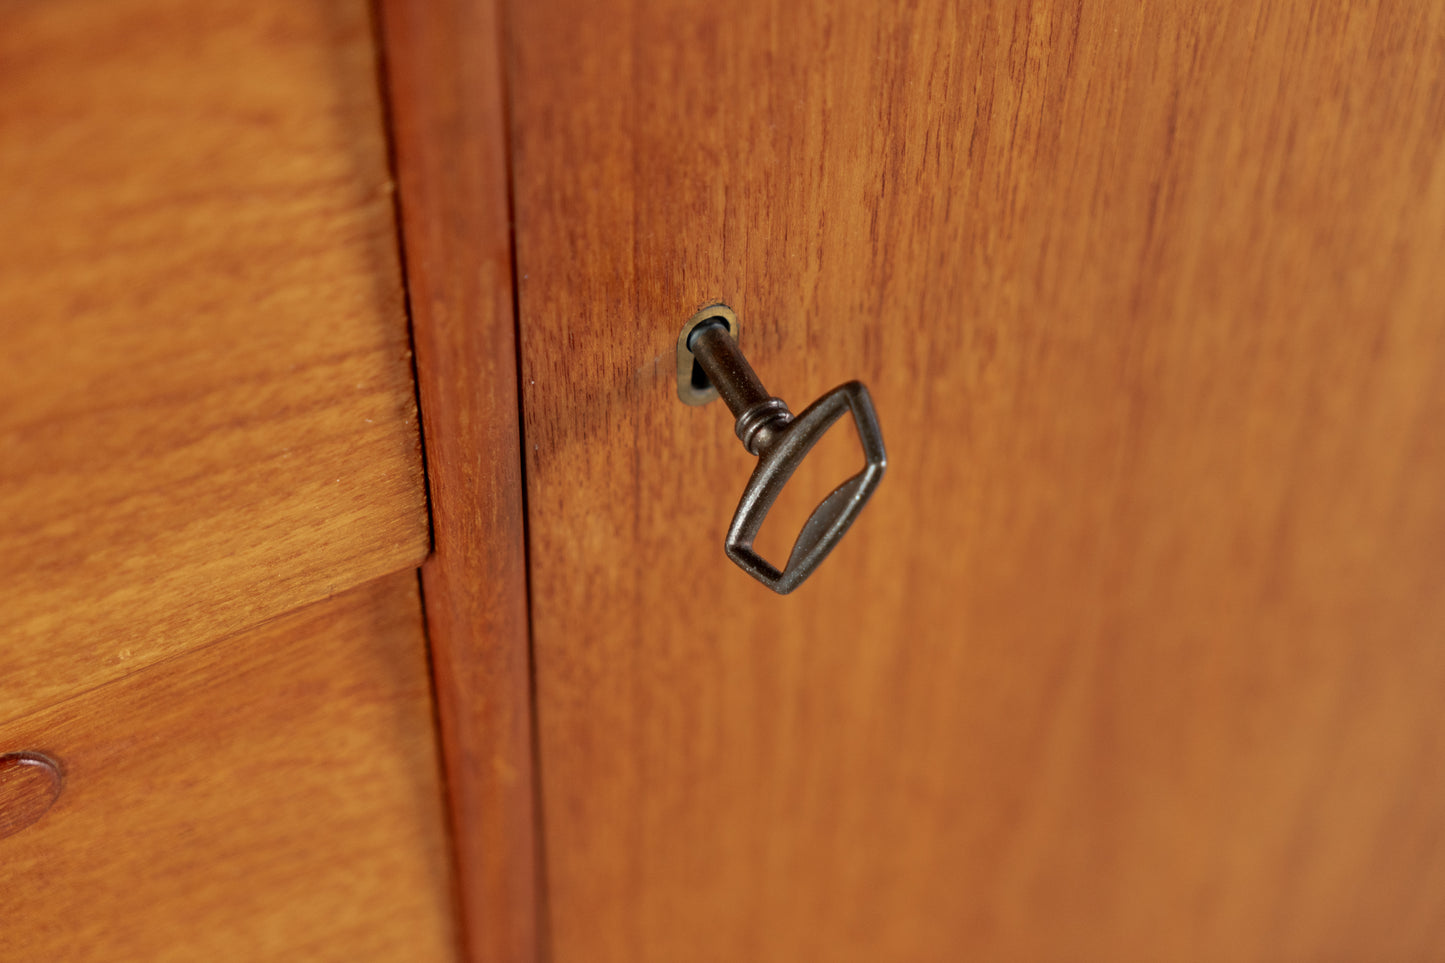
693	386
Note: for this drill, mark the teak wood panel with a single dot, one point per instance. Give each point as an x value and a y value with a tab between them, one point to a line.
273	796
206	408
1137	653
444	75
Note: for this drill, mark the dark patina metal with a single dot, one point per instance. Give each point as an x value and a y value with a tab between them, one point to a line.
781	441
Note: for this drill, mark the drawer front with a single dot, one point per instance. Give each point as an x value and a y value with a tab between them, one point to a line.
206	407
273	796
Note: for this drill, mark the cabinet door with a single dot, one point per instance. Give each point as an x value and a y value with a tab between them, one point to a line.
1136	653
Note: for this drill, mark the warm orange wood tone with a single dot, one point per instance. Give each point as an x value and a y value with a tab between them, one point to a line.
206	412
444	79
272	796
1137	653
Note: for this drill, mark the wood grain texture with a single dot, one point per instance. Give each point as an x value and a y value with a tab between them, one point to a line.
273	796
206	410
1137	653
444	81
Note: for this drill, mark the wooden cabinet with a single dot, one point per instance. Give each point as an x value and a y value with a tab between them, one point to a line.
1136	653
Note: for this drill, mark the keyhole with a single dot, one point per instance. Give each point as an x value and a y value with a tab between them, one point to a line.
699	377
700	380
694	387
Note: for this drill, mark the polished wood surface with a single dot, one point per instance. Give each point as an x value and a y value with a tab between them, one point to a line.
444	79
273	796
1137	652
206	408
